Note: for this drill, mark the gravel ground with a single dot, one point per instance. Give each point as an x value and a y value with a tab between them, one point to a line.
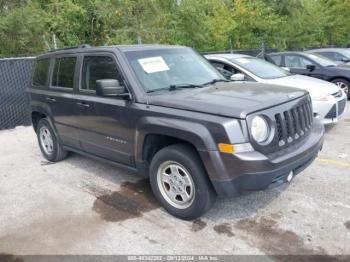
81	206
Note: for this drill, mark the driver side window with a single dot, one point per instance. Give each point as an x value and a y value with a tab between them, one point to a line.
226	70
96	68
293	61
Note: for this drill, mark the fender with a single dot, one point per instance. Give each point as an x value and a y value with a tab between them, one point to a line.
194	133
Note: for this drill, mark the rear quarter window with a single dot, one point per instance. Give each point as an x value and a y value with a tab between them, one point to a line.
41	72
277	59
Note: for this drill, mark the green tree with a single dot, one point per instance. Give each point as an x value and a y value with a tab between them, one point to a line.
21	31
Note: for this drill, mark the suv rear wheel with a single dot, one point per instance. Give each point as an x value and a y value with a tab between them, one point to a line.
48	142
180	183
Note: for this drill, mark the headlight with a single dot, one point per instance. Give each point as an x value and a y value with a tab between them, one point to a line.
260	130
321	97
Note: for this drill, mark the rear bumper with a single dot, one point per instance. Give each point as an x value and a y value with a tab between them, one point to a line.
254	171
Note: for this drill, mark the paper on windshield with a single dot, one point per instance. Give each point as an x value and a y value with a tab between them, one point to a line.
153	64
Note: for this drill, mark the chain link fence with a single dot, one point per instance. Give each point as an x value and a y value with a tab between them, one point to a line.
15	77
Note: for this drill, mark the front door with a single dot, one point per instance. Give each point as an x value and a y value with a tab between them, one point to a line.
105	123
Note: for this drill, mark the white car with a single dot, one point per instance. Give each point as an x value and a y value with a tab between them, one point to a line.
328	100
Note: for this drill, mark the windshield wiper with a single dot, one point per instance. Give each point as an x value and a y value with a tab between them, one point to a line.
174	87
214	81
179	86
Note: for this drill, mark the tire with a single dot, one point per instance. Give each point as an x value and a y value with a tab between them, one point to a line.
51	150
343	84
182	164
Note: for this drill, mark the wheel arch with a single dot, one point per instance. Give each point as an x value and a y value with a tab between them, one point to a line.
155	134
38	113
339	77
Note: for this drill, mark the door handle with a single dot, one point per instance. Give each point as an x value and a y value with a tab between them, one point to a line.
50	99
83	104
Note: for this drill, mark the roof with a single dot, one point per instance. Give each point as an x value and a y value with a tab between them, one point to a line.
126	48
328	49
287	52
120	47
227	56
123	48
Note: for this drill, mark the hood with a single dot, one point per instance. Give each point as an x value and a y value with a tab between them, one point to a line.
227	99
313	85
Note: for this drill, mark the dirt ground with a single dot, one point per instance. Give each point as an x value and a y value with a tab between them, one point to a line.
81	206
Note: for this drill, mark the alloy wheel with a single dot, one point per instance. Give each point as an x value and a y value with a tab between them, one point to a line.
46	140
343	86
175	184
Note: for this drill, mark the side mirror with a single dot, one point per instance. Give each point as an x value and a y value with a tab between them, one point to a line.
110	87
345	60
311	67
237	77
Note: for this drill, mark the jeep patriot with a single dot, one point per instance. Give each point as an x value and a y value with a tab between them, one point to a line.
166	113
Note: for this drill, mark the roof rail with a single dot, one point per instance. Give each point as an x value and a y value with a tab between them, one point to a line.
70	47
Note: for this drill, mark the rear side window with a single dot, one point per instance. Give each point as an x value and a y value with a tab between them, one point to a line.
294	61
276	59
63	73
96	68
41	72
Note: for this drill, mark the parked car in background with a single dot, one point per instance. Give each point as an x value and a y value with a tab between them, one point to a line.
328	100
166	113
338	55
313	65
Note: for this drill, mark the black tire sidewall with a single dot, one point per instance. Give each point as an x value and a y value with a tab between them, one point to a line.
50	157
187	157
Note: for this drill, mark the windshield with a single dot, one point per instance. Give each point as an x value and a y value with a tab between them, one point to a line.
260	67
323	61
345	53
164	68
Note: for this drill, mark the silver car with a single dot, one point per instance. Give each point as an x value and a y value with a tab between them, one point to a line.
328	100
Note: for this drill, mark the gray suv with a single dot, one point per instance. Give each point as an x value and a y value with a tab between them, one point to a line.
165	113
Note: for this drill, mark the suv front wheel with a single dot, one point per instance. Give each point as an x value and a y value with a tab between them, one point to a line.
48	142
180	182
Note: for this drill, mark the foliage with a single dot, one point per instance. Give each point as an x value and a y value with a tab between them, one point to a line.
29	27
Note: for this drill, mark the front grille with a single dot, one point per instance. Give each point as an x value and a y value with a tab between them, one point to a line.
332	113
294	123
341	106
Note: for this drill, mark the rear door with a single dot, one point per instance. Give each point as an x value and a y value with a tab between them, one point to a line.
61	97
106	126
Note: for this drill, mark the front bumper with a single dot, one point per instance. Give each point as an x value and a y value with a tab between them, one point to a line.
232	174
330	112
